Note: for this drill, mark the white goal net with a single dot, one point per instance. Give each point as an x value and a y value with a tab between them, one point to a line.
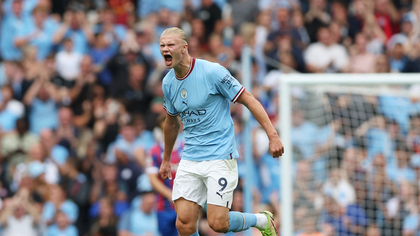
355	164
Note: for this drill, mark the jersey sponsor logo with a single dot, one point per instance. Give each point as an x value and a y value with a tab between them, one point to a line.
200	112
229	81
186	116
184	93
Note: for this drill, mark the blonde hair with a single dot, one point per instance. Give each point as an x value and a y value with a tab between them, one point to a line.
176	31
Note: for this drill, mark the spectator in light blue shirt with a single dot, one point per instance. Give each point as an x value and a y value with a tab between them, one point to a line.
76	28
57	197
402	170
38	33
9	28
41	97
62	226
115	34
27	7
142	218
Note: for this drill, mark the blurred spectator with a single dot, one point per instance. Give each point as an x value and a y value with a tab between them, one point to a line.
101	53
62	226
76	28
402	170
107	184
142	210
115	34
38	33
165	208
20	216
361	61
42	97
339	188
397	59
325	55
57	202
242	11
356	217
134	92
334	215
16	146
106	223
348	23
316	17
10	110
68	61
386	15
54	150
9	28
211	15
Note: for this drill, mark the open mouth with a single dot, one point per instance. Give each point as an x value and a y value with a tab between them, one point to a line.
168	60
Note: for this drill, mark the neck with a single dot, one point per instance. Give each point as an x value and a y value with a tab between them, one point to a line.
182	68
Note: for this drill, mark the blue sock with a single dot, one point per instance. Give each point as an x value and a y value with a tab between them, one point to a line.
241	221
195	234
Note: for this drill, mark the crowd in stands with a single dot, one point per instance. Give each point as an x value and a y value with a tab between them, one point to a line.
81	92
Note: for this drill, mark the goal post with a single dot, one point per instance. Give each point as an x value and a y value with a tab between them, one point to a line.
350	83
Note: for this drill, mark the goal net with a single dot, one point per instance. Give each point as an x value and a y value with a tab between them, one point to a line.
352	160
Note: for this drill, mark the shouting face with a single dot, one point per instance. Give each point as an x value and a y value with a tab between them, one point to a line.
172	48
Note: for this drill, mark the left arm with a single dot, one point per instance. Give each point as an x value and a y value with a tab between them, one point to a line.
276	146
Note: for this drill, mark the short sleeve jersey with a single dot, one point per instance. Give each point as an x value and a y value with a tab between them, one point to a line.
201	98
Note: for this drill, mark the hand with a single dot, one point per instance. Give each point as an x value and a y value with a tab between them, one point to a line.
165	170
276	147
68	17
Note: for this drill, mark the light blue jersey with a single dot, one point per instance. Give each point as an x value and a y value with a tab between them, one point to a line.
201	98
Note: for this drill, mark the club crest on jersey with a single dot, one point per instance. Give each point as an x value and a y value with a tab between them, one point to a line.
184	93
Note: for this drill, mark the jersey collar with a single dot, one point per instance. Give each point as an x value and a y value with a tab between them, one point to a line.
189	71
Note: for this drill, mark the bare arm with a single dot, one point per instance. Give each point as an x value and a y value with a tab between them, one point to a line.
247	99
32	92
159	187
6	213
170	133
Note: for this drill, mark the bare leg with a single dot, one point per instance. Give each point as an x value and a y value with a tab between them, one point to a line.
218	218
187	216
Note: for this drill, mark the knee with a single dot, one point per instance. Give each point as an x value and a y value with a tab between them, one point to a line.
185	226
219	226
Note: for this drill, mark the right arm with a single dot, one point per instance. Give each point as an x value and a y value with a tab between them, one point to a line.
170	133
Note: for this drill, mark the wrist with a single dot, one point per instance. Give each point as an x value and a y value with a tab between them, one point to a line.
272	135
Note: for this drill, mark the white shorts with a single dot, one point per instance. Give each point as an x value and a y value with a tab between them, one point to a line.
211	181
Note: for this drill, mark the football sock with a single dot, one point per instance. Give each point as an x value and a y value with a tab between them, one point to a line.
241	221
262	221
195	234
